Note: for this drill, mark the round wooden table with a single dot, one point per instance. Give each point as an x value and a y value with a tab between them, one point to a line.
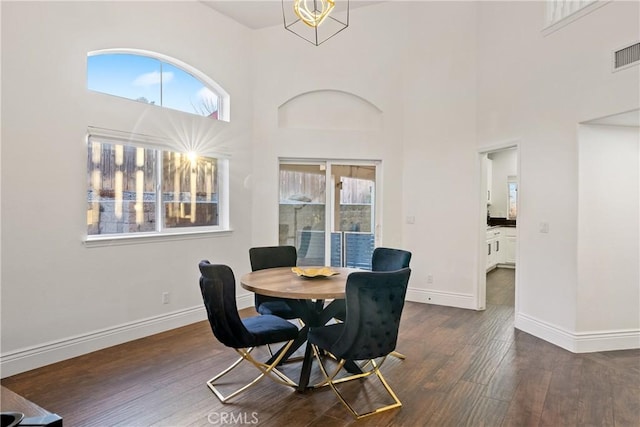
283	283
309	293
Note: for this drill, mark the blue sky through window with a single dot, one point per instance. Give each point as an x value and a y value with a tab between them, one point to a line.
139	78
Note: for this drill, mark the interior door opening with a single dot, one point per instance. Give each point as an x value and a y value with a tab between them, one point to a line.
499	216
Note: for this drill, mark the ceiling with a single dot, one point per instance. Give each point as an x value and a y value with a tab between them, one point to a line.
257	14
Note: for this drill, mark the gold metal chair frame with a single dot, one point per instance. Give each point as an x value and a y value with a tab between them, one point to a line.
375	369
266	370
398	355
290	359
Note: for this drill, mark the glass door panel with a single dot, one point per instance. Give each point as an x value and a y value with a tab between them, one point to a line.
303	210
353	215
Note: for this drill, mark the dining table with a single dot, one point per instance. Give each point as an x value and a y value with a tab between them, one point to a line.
314	298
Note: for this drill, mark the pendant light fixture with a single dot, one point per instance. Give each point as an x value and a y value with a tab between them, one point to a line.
313	12
316	21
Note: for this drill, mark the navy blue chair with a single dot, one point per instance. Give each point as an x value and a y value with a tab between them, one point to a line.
374	304
383	259
389	259
272	257
218	288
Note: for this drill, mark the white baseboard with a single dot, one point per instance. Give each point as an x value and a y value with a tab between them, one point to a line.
25	359
431	296
580	342
588	342
244	301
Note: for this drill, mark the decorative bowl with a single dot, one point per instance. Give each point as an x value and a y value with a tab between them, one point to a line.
313	272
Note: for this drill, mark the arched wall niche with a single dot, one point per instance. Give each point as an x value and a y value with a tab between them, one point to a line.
329	109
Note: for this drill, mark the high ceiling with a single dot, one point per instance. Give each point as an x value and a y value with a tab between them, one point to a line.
257	14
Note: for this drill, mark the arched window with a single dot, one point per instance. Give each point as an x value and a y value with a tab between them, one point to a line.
156	79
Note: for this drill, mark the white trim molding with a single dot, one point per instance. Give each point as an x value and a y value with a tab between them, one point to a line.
25	359
244	301
432	296
560	13
578	342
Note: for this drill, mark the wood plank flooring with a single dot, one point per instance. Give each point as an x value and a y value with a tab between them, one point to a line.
463	368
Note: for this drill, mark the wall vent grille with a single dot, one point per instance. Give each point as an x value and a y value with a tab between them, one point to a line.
627	56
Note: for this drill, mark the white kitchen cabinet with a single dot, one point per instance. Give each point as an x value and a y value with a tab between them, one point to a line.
508	235
494	252
489	179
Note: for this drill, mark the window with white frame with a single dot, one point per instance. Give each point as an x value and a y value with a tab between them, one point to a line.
133	189
156	79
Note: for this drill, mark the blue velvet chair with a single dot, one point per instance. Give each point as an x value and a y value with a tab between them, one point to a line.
218	288
383	259
271	257
374	303
389	259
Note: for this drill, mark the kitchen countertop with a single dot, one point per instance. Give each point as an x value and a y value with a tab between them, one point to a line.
500	222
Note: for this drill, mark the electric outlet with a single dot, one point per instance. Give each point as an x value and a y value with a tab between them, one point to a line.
544	227
429	278
165	297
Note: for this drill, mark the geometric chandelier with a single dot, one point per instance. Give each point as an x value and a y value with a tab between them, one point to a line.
316	21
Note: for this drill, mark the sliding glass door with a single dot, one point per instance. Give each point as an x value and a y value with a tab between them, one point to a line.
302	213
316	196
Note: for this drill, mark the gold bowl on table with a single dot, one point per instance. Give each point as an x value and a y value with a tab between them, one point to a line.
313	272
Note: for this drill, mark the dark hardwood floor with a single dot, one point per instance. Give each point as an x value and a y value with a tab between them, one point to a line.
463	368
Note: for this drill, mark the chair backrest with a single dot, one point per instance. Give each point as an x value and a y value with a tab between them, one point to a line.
218	288
272	256
374	303
389	259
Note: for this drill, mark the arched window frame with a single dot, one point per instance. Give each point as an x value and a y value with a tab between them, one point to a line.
225	101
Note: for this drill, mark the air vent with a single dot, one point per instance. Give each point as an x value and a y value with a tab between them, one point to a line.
626	57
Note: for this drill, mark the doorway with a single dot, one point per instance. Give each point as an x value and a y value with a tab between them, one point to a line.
338	196
498	230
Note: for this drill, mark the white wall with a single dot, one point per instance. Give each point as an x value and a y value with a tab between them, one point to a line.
608	232
440	167
449	78
60	298
286	67
536	89
397	57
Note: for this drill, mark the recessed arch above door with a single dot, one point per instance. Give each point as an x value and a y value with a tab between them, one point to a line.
329	109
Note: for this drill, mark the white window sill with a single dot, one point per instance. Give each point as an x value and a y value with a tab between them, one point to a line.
98	241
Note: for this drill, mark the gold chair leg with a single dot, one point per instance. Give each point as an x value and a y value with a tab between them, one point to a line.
265	371
375	370
318	355
398	355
